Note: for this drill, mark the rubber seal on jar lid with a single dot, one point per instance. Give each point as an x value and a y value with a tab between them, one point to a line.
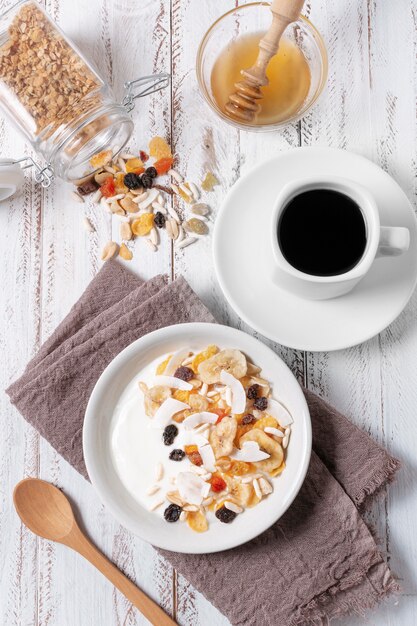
11	178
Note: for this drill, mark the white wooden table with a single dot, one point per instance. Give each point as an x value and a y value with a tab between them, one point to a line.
48	259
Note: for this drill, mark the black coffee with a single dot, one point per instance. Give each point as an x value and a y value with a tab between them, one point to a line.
322	232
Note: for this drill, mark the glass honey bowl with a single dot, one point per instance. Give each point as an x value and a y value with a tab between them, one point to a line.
297	74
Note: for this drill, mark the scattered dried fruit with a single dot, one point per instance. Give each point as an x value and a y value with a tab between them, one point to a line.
197	521
151	171
252	392
225	515
261	403
169	434
194	225
222	436
217	483
209	182
177	455
159	220
108	188
143	156
132	181
172	513
134	165
248	419
163	165
143	225
147	181
231	361
159	149
184	373
193	455
89	187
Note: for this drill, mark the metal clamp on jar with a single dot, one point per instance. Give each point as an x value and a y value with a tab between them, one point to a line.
57	100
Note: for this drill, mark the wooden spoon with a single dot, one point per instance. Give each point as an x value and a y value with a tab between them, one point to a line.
244	103
46	511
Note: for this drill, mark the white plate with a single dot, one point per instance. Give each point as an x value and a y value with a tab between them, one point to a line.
244	263
97	428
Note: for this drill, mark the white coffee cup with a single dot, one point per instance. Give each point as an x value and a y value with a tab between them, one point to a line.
380	240
11	178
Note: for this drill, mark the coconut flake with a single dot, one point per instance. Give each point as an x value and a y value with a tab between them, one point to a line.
238	392
207	455
171	381
190	438
191	487
165	412
175	361
278	410
200	418
250	452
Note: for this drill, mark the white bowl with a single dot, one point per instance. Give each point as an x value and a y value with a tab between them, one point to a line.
97	428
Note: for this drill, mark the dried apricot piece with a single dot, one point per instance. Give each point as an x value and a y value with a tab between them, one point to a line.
162	366
101	159
120	187
209	182
267	421
134	164
163	165
203	356
193	455
159	149
143	225
108	188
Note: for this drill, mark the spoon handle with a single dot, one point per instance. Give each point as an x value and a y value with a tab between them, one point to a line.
150	609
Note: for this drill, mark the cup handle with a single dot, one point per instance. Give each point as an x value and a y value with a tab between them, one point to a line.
393	241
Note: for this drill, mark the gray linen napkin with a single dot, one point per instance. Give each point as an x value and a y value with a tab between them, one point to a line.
319	561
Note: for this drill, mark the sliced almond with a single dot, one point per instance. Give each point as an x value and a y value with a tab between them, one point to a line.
125	231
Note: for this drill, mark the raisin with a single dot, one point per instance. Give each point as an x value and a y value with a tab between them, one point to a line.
151	171
225	515
184	373
169	434
261	403
89	187
159	220
147	181
248	419
172	513
252	392
132	181
177	455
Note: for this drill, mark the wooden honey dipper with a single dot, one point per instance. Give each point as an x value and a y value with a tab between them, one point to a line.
244	103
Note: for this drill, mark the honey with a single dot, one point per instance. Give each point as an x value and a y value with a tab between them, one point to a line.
288	73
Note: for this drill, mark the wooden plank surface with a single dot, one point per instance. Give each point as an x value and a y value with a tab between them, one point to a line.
368	107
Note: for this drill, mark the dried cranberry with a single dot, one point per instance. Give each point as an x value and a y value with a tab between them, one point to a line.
261	403
217	483
151	171
159	220
252	392
172	513
184	373
225	515
195	458
89	187
132	181
177	455
169	434
143	156
248	419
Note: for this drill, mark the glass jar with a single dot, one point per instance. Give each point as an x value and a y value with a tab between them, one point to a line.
56	99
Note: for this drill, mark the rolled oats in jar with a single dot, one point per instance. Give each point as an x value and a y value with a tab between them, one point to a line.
54	96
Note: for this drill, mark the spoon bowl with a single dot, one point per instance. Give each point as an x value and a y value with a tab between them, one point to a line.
44	509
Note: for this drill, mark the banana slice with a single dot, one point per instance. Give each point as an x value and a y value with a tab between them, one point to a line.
197	521
231	361
197	402
222	436
272	447
241	493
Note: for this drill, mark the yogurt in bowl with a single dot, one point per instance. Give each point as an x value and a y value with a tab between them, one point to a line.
197	427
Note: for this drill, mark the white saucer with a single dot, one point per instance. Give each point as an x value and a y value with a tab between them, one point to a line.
244	263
